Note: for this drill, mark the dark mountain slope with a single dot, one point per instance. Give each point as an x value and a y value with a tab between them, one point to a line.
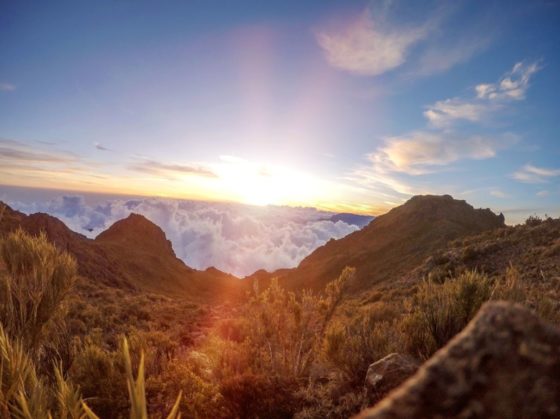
142	251
132	254
392	244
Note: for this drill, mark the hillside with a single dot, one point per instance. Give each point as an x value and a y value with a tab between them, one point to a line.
422	271
391	245
132	254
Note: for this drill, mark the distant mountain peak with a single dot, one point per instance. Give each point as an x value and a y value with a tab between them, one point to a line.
445	207
137	230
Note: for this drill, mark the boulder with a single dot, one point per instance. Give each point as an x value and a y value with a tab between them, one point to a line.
504	364
389	372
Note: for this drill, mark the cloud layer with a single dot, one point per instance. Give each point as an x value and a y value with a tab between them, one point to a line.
235	238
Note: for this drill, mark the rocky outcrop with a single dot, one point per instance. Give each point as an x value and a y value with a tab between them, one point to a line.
388	373
504	364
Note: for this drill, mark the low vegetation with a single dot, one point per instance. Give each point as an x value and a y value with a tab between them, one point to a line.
69	349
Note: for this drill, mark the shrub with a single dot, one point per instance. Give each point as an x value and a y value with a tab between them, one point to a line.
285	330
439	312
251	395
100	374
37	278
351	347
533	221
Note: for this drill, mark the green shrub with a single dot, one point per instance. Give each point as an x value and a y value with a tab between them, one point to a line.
440	311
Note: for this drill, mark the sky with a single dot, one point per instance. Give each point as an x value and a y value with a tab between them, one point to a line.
340	105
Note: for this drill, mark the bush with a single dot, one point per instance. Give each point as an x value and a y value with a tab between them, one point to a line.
533	221
38	276
285	330
351	348
250	395
439	312
100	374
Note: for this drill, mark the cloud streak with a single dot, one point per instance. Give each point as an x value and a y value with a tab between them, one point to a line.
12	151
171	170
7	87
534	174
101	147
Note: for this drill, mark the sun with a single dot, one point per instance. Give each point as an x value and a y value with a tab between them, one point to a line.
267	184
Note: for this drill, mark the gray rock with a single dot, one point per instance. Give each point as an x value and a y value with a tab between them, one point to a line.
389	372
504	364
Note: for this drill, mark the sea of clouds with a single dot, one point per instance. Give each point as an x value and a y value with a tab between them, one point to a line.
234	238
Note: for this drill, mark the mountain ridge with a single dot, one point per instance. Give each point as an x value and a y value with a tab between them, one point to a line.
392	244
132	254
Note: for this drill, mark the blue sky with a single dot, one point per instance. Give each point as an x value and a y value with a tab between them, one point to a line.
340	105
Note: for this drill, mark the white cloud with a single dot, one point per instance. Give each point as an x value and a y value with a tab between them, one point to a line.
512	86
490	97
421	152
368	47
235	238
444	113
498	194
534	174
543	194
7	87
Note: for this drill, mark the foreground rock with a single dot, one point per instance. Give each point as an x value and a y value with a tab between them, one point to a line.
388	373
505	364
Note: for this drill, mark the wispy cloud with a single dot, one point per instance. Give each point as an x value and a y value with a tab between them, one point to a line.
444	113
101	147
512	86
438	59
422	152
497	193
395	164
534	174
170	170
369	47
543	194
18	152
7	87
489	98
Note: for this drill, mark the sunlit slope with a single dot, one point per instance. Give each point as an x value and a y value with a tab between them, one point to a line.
392	244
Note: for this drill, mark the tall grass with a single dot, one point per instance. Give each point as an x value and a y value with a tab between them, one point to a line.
136	391
36	279
22	392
